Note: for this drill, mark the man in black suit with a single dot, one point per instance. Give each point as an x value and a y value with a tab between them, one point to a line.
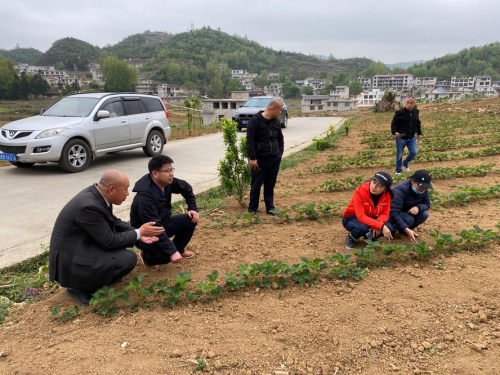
88	243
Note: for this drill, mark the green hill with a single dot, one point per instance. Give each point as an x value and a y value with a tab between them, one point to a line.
238	52
469	62
22	55
75	54
139	46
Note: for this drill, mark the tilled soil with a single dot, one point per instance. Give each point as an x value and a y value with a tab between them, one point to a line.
437	317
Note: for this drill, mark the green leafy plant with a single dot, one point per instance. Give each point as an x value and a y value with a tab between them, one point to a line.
201	364
234	173
209	290
142	293
175	289
105	300
66	315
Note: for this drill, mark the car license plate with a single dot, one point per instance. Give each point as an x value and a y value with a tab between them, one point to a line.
244	122
8	157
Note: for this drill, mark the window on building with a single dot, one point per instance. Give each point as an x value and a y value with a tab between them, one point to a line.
312	108
347	104
233	105
224	105
335	104
216	105
320	107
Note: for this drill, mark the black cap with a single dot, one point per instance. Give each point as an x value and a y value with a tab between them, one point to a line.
383	178
422	178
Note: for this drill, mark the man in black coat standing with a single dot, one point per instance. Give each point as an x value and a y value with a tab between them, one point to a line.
153	202
265	146
88	243
405	125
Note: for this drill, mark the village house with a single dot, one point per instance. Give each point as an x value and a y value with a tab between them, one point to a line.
216	109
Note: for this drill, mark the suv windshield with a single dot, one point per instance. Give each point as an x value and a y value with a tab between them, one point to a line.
72	107
257	102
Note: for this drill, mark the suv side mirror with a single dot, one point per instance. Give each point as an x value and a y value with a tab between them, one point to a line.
101	114
43	110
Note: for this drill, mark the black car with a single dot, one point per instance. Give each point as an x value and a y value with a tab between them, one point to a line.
253	106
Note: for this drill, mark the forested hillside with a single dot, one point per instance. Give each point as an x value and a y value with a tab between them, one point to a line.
140	46
22	55
469	62
75	54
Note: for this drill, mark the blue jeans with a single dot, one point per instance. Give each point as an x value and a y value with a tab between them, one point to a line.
357	229
414	221
400	146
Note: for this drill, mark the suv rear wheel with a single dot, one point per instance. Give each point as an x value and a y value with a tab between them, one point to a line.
75	156
154	143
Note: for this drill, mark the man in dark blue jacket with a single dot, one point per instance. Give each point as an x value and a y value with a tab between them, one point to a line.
410	203
265	145
153	203
405	124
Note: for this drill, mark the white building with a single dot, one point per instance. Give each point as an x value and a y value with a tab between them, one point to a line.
365	82
425	83
340	92
372	97
324	103
393	81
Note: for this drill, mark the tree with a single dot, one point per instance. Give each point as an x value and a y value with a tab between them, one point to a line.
355	88
75	86
37	85
25	87
118	75
290	90
308	90
323	74
234	85
234	173
7	74
93	85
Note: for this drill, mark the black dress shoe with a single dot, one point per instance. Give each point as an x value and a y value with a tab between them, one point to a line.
81	296
273	213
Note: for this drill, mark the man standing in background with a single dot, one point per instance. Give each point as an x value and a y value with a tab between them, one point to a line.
405	124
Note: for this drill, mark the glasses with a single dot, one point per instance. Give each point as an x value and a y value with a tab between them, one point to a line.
168	170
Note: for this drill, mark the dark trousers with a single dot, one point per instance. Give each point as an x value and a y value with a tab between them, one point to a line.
181	228
357	229
414	221
268	175
125	262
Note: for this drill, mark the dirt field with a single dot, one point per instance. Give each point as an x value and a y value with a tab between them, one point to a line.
414	317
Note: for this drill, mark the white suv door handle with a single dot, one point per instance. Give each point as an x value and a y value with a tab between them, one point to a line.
147	118
124	122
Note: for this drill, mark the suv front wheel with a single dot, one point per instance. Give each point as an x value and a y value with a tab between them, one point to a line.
285	122
154	143
75	156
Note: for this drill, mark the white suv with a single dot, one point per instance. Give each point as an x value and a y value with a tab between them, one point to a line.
77	128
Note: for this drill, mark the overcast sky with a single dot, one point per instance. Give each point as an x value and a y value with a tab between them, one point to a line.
386	30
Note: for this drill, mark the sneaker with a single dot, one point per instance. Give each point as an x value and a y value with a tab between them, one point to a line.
406	169
349	242
397	173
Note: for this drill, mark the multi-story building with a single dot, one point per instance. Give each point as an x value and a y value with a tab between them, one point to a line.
425	83
216	109
50	74
237	73
365	82
273	89
146	87
482	82
325	103
372	97
393	81
340	92
462	84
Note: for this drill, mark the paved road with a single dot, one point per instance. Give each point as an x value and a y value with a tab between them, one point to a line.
30	199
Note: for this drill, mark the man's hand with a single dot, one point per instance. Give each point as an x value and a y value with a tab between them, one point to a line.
414	210
148	240
149	229
398	135
195	216
253	164
412	235
419	137
176	257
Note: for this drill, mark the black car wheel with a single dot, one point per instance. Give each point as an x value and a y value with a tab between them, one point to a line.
75	156
154	143
22	165
284	124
